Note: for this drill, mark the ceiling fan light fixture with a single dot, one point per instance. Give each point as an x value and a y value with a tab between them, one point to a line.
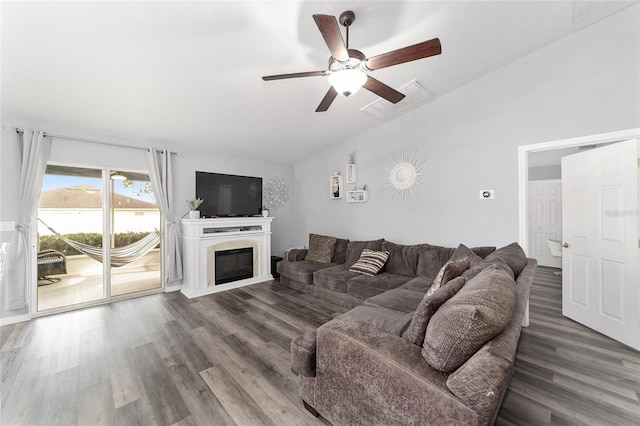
347	81
118	176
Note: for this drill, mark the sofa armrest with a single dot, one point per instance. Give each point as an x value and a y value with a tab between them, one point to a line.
303	354
296	255
365	375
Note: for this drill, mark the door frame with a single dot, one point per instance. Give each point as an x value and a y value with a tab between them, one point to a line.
523	170
32	288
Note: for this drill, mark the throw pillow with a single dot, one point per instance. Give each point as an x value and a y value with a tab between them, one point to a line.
321	248
370	262
512	255
428	306
450	270
475	315
463	251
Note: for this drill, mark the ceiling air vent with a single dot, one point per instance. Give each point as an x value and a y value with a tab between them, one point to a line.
415	94
586	147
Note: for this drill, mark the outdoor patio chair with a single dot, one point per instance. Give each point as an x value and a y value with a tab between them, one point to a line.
51	262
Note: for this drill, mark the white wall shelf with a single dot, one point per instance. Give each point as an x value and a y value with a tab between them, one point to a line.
356	196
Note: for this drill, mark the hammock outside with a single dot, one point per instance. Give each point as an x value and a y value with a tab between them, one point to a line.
120	256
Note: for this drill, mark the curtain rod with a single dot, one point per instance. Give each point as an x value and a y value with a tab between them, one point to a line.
73	138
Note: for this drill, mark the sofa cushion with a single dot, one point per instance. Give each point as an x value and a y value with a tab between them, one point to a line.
464	323
452	269
431	259
420	284
321	248
301	271
370	262
340	252
403	260
512	255
364	286
483	252
354	249
487	263
334	278
398	299
385	319
428	306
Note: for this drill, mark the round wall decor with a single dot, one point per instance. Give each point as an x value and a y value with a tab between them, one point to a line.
276	193
404	175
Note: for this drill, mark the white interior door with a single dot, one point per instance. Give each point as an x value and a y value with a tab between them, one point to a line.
545	220
601	273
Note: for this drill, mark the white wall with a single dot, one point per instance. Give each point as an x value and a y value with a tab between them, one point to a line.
92	155
587	83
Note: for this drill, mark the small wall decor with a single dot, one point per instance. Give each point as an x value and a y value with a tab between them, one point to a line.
351	168
276	193
404	175
335	186
358	194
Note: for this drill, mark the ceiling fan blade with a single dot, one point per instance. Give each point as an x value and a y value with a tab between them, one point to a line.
294	75
382	90
406	54
326	101
328	26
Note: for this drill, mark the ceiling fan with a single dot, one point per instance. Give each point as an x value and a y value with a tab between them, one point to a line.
348	68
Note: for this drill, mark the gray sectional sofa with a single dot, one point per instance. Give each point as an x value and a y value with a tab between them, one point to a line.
403	355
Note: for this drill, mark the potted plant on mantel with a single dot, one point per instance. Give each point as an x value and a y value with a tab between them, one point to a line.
193	204
265	211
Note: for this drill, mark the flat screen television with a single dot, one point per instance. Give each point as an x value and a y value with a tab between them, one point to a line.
228	195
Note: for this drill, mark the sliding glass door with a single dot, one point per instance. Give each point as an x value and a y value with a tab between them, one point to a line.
98	237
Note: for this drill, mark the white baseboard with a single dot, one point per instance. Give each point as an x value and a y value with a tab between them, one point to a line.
173	288
14	319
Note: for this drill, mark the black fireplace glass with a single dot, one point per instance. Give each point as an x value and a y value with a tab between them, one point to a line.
233	265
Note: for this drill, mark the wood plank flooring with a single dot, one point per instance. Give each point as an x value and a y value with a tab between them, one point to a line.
223	359
567	374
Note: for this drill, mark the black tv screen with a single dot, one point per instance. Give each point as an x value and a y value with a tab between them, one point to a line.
228	195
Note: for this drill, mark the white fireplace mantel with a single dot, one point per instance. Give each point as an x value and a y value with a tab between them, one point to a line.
201	237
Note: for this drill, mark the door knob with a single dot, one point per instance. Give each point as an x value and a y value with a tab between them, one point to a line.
565	245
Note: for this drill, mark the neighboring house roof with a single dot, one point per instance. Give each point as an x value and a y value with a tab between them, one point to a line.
86	197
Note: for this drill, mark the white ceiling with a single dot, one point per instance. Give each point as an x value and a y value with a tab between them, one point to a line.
188	73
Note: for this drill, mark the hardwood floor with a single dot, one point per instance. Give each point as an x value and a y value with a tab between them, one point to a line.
224	359
567	374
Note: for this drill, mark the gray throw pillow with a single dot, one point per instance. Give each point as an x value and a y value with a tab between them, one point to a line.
321	248
450	270
475	315
427	307
512	255
370	262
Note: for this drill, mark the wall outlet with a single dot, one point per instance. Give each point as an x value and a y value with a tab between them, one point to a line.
487	194
7	226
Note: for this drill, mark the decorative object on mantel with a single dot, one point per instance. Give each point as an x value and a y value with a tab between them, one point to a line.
193	204
351	168
404	175
335	186
265	211
276	193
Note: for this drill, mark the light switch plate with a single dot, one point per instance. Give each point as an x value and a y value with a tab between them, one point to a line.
487	194
7	226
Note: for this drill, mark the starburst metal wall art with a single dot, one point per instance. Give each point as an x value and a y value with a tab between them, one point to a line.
276	193
404	175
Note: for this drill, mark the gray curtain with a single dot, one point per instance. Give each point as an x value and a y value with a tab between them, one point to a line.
161	175
18	267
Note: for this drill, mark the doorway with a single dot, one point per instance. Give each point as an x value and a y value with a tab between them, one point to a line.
98	238
524	153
